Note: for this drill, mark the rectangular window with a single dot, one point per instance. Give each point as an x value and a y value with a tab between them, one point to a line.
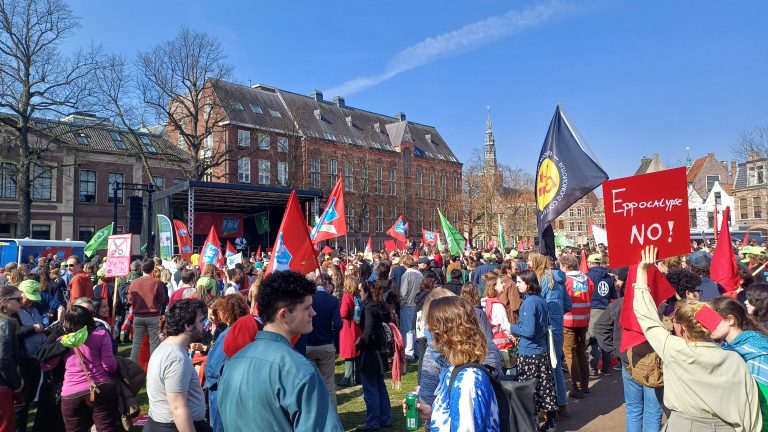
81	138
42	188
118	140
393	181
41	232
379	218
364	178
244	138
393	213
256	109
282	173
718	199
571	212
85	233
282	144
314	173
244	170
444	187
350	217
743	209
333	172
757	208
238	106
8	177
264	171
710	220
419	184
366	219
431	186
711	180
377	180
207	110
115	178
159	182
692	218
419	219
274	112
87	186
455	217
180	143
148	146
264	142
177	180
349	177
760	175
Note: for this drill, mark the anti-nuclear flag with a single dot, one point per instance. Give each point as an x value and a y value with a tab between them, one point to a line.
98	241
293	248
332	222
399	230
182	238
211	252
452	236
229	251
428	237
368	254
564	174
500	236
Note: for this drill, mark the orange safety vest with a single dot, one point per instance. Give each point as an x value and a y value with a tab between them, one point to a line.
581	297
500	338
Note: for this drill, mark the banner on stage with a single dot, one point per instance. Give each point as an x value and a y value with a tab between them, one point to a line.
227	225
648	209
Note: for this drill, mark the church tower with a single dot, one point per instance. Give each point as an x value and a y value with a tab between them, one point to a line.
490	145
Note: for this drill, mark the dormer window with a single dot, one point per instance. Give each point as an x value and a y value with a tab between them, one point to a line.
275	113
82	138
148	146
238	106
118	140
256	109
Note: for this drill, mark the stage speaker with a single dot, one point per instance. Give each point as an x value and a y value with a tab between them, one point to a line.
135	214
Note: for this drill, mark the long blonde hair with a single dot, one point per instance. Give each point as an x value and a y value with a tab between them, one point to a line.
540	265
685	316
456	332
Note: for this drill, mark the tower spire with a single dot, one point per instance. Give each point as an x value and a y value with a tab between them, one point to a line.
490	143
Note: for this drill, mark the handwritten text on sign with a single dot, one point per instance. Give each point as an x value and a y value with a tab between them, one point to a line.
648	209
118	255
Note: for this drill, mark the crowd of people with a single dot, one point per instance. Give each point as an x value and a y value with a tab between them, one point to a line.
234	349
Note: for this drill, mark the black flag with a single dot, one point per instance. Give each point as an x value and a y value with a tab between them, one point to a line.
564	174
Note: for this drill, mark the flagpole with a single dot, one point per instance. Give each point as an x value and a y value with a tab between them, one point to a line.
346	243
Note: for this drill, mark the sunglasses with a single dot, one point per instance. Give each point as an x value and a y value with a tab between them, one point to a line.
71	265
18	299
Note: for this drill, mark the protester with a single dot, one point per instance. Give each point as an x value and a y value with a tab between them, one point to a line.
693	365
147	296
532	345
176	399
742	334
409	287
233	286
80	284
88	396
509	296
575	323
469	403
32	334
325	323
605	292
427	285
497	317
186	287
757	302
350	312
455	283
11	382
278	388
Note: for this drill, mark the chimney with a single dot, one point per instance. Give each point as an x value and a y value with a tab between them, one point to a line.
317	95
733	169
400	116
318	114
339	101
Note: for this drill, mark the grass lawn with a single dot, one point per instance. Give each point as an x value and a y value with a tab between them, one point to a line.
351	406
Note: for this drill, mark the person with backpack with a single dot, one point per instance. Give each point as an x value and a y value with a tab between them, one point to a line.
374	361
497	316
534	361
465	399
604	294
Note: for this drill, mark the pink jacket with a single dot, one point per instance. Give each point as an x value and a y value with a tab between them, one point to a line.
99	360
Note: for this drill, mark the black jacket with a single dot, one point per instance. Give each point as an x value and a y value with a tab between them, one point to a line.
372	361
10	354
454	286
608	331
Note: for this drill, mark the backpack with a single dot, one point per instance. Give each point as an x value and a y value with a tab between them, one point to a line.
517	412
387	341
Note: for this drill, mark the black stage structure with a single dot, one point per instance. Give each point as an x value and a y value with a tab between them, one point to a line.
182	200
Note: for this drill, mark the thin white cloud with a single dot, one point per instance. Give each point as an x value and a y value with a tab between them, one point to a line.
455	42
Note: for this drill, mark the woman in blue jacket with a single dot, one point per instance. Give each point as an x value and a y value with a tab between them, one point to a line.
552	284
532	345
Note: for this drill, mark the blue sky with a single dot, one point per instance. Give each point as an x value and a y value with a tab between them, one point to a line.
635	77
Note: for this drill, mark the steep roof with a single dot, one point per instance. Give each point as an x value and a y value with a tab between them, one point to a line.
321	119
696	168
649	165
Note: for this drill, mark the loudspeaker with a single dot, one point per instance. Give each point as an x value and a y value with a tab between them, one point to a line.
135	214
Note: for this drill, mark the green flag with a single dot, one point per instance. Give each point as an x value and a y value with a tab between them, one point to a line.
561	241
262	222
502	241
98	241
165	235
452	236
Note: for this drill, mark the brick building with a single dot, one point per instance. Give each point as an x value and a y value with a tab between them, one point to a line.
390	165
71	191
750	192
575	221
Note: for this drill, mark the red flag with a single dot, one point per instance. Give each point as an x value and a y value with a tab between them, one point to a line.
583	267
332	222
661	289
293	248
746	239
399	230
211	252
368	253
258	253
591	224
429	237
390	246
183	239
723	268
326	251
230	249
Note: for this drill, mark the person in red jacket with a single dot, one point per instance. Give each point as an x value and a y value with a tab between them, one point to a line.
80	284
575	324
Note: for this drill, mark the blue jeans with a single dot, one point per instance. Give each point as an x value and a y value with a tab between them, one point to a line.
378	411
562	397
213	406
407	328
643	406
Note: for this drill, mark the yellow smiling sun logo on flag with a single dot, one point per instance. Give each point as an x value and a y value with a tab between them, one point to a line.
547	183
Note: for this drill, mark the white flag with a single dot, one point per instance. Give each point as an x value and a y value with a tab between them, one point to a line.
232	260
601	235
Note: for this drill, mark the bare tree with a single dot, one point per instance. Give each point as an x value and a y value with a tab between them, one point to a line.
36	79
174	81
751	144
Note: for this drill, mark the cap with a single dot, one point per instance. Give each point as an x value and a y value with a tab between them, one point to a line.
101	272
513	253
395	260
335	260
31	289
205	282
595	258
699	259
488	256
423	260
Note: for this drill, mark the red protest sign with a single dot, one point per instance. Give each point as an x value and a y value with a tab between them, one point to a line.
648	209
